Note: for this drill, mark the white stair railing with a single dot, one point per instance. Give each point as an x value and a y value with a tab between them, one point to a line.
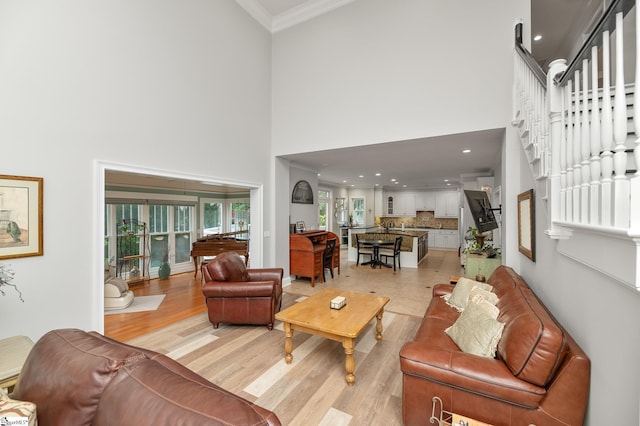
584	150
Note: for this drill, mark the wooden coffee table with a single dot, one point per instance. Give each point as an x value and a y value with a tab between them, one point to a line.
314	316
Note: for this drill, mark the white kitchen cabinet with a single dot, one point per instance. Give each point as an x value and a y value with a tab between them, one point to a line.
431	239
378	202
445	238
425	201
399	204
446	204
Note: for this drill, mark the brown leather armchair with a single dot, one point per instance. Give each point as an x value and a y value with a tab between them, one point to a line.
237	295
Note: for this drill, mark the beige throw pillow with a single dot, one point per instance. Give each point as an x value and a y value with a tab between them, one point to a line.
458	298
476	331
477	294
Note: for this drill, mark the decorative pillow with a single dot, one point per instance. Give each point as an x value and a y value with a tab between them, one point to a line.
477	294
13	410
476	331
458	298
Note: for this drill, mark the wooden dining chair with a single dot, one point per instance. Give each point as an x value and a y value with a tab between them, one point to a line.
362	250
327	258
395	253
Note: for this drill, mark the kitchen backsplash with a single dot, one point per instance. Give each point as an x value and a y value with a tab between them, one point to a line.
422	219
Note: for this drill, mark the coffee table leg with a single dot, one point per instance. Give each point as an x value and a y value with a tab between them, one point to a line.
288	343
379	325
349	363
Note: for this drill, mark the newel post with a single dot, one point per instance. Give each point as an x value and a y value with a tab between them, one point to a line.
555	102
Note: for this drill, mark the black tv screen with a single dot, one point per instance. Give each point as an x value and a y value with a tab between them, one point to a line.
480	209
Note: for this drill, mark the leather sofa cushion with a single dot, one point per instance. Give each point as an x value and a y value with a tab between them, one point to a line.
503	280
533	345
66	373
228	266
148	393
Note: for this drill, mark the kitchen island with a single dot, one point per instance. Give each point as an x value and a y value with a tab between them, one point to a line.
414	243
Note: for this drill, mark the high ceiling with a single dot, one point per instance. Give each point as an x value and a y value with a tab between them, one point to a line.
433	162
419	163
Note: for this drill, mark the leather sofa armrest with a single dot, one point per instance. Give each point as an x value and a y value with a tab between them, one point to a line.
266	274
442	289
239	289
483	376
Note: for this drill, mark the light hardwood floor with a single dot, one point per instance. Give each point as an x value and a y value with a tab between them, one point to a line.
249	360
184	297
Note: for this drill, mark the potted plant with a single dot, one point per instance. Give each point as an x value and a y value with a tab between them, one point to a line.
475	235
6	275
165	269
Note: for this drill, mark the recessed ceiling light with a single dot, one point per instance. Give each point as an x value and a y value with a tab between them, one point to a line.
318	174
393	180
537	37
446	180
404	186
344	181
448	184
396	182
466	151
378	174
361	176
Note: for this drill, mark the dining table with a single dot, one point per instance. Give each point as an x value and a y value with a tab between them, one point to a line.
375	259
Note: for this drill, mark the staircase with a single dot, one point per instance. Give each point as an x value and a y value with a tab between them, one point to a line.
577	126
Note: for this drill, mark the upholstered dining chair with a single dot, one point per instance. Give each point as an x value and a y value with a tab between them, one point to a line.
237	295
395	253
363	250
327	258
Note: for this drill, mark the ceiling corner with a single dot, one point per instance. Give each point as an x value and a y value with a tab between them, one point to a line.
258	12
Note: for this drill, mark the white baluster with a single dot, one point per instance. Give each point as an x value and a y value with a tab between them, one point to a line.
569	151
606	193
594	199
563	153
620	181
585	145
555	109
577	148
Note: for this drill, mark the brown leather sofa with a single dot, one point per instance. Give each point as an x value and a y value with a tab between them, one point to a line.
80	378
540	375
237	295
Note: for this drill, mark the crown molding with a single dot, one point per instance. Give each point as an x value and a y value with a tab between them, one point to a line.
257	12
304	12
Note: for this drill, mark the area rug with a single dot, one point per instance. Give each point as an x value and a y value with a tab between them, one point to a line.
140	304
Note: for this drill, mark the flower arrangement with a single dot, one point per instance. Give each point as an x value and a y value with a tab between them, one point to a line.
6	276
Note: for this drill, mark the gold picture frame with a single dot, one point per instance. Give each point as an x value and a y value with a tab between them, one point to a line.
20	216
526	225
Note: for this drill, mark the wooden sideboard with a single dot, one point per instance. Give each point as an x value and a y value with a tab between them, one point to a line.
306	250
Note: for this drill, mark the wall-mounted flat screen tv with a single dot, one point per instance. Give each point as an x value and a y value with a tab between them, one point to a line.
481	210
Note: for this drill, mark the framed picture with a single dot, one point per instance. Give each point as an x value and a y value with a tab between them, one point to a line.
300	226
20	216
526	225
302	193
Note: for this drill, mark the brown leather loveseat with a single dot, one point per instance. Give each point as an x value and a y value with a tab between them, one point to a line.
540	376
237	295
80	378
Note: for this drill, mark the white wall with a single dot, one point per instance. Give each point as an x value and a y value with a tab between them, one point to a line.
169	86
378	71
600	313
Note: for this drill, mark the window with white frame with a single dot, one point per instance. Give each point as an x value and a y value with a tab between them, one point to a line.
357	210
